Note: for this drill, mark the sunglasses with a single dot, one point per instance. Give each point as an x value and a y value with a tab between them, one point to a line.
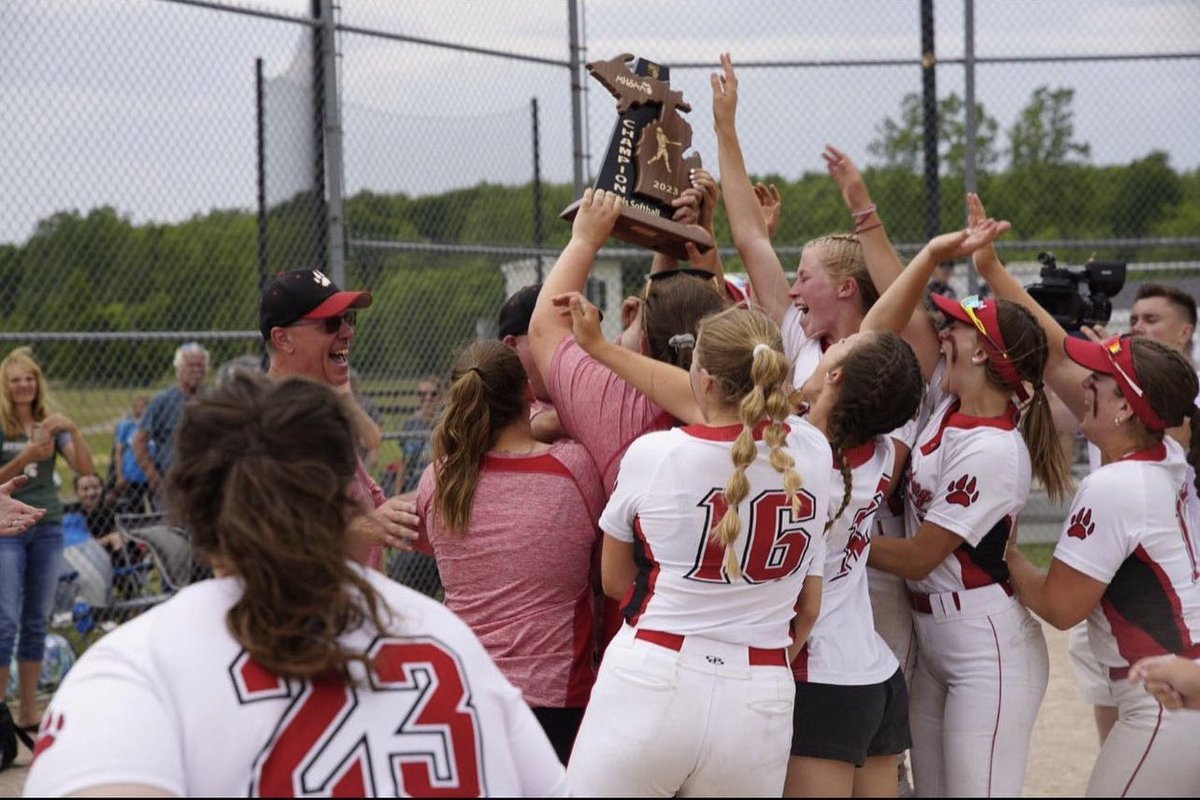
1112	349
970	305
332	324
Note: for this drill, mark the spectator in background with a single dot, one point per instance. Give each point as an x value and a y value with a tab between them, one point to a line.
152	443
100	518
132	489
514	332
415	433
1166	314
33	437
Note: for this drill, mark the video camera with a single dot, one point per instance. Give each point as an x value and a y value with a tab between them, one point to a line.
1058	291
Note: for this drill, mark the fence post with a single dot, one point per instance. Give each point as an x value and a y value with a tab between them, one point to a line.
970	178
331	123
576	97
929	91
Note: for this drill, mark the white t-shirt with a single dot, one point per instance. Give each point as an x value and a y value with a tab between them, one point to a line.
844	648
172	700
971	476
803	353
669	497
1130	527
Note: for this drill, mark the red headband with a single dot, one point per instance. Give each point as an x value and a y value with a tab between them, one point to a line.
1115	357
984	316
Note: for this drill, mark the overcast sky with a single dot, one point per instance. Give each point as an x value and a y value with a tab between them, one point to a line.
148	105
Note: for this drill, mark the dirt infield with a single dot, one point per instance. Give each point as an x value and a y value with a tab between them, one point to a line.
1064	741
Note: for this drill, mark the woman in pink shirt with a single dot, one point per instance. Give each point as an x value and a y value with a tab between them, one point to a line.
512	523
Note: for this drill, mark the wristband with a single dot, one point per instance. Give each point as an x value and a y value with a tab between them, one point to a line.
861	216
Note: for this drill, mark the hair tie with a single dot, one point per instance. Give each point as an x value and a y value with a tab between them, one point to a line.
680	340
758	348
476	370
1037	387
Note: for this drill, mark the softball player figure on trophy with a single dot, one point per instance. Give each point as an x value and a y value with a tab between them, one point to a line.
711	535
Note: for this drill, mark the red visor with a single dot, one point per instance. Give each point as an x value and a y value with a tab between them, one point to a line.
984	317
1115	357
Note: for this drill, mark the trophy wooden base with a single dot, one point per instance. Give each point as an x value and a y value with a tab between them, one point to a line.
652	231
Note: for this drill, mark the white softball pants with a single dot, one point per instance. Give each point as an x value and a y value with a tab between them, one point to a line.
982	668
698	721
1151	752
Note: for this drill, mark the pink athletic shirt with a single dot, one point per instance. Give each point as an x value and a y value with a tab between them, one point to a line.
598	409
519	576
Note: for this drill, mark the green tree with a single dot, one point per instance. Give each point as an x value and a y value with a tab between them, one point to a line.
1044	131
900	142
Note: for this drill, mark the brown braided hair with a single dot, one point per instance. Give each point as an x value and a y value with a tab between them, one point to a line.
755	383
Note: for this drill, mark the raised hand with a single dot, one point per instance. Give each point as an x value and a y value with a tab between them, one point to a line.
986	257
724	89
960	244
771	204
598	212
585	319
849	179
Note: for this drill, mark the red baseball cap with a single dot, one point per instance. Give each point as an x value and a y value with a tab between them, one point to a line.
984	316
1115	357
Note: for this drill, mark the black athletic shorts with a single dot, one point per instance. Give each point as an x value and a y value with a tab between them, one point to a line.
850	723
561	726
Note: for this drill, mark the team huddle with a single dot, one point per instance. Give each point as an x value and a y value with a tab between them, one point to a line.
762	543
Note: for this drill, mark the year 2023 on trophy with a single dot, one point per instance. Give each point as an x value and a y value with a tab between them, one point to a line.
645	163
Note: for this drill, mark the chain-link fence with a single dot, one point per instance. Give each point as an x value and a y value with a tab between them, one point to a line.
162	158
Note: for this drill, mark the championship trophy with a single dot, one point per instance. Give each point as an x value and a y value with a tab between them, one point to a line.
645	162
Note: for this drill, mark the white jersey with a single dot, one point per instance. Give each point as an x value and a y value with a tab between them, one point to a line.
803	353
171	700
970	475
844	648
1093	454
1130	528
668	499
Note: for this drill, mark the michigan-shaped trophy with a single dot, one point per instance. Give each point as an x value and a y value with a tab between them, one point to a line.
646	162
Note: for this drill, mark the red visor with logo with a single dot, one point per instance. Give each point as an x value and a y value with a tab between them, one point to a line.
984	316
1115	357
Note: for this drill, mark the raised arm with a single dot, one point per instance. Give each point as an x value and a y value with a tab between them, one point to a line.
746	221
902	301
666	385
1062	375
598	212
883	265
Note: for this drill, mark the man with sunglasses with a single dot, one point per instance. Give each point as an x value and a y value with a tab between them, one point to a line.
308	324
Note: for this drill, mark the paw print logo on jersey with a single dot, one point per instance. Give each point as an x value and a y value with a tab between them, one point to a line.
962	491
1081	524
48	733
